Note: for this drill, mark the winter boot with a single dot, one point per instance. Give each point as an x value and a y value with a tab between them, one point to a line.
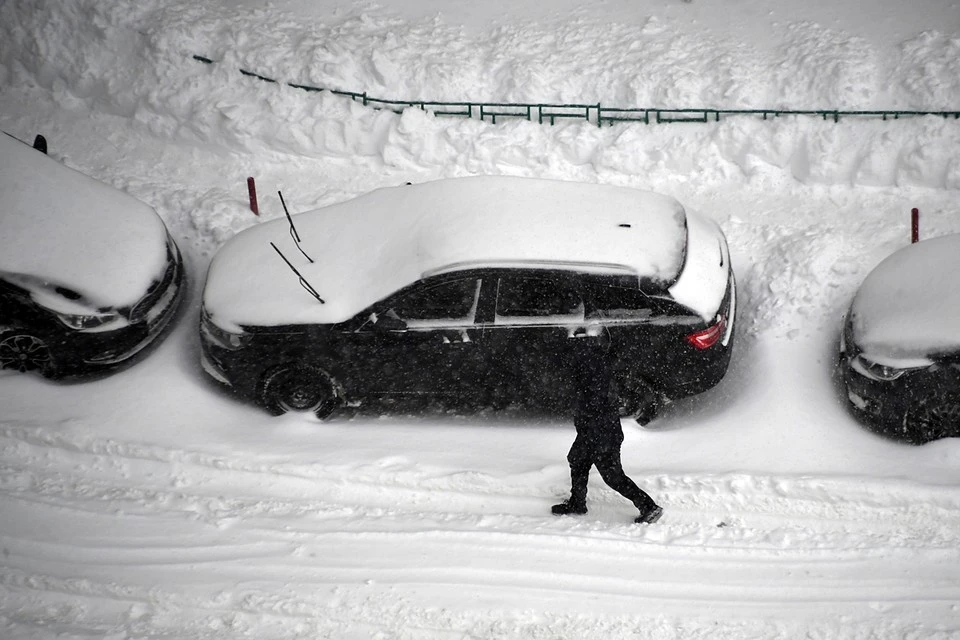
569	507
650	515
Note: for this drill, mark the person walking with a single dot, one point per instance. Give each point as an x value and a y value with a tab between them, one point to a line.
599	434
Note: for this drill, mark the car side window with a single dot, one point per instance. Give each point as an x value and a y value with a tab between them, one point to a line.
452	302
629	303
535	299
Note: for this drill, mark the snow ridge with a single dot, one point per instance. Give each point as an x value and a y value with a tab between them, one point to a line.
729	542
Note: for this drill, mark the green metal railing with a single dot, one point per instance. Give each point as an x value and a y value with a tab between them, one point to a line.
593	113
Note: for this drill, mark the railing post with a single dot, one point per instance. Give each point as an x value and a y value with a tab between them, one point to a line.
252	192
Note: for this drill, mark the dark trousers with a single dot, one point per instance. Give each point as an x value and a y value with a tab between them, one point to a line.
586	453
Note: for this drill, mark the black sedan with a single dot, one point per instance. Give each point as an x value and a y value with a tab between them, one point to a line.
89	275
900	346
468	292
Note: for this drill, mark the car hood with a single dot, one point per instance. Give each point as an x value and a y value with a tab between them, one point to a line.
909	305
367	248
65	228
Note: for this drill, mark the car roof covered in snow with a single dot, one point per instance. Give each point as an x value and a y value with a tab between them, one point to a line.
63	228
367	248
909	305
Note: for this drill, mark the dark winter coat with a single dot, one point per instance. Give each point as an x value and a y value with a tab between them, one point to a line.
597	415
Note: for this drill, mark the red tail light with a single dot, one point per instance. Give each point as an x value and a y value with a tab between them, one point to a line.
709	336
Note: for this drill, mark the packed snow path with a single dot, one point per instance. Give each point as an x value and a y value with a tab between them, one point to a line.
171	541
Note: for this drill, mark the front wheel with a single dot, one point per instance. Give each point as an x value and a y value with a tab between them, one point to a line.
25	352
300	388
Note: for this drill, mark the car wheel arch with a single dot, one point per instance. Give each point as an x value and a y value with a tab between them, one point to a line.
287	386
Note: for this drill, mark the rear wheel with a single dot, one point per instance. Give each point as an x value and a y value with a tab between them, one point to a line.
638	401
25	352
933	418
297	387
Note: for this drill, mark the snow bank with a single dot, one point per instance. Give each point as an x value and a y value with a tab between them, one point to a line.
135	61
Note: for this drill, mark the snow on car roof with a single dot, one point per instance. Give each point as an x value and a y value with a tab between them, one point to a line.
909	305
65	228
367	248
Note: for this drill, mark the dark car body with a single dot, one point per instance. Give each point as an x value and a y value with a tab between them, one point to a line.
485	333
900	344
89	276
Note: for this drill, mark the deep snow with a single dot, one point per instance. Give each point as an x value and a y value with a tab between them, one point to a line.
149	504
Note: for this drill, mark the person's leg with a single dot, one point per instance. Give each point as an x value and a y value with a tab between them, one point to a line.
580	463
611	470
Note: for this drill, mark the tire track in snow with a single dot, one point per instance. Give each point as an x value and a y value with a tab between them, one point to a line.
220	490
772	513
609	583
348	535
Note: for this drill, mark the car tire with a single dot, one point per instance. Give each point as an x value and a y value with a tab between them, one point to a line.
932	418
26	352
639	402
298	387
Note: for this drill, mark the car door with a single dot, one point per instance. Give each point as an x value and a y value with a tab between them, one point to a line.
536	315
649	332
422	341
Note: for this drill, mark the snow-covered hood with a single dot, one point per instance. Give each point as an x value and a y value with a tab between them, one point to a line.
67	229
909	305
367	248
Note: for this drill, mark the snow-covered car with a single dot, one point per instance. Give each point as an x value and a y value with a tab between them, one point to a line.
465	291
900	345
89	275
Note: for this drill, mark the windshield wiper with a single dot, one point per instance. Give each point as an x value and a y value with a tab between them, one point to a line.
303	281
293	230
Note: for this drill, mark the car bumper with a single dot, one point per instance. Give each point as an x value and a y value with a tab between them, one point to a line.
92	350
883	404
879	400
117	346
212	365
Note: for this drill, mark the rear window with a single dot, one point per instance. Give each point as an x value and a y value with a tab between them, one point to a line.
615	302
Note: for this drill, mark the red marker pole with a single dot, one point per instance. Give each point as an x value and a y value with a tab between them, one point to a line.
252	191
914	225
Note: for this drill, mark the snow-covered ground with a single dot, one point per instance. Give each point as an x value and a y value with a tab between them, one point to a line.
151	505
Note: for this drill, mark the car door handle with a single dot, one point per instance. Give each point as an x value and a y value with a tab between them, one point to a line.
585	332
461	337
